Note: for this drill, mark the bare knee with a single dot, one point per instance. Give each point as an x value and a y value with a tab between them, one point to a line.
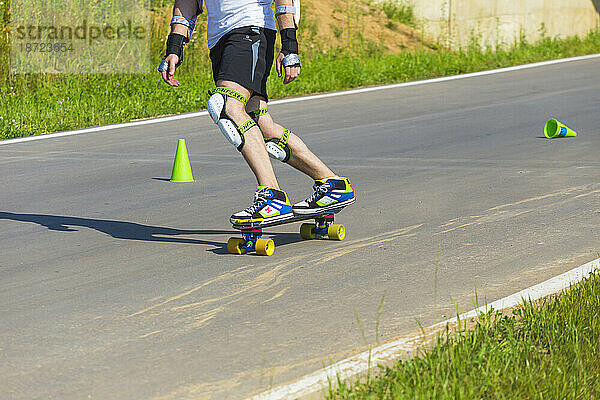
235	110
269	128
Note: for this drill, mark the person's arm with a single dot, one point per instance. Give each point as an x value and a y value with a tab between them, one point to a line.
183	23
288	57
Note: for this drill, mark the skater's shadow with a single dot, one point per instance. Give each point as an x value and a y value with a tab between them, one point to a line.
134	231
121	229
596	5
281	239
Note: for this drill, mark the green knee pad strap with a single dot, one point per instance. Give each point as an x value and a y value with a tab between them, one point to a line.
229	93
246	126
256	114
284	138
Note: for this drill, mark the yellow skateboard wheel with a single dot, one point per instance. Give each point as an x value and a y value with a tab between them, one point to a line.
336	232
307	231
234	246
265	247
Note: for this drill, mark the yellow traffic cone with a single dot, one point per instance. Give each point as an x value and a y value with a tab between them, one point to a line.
182	170
556	129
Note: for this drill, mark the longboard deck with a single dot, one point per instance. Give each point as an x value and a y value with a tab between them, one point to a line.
296	218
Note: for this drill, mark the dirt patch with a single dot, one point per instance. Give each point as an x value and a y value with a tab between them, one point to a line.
341	24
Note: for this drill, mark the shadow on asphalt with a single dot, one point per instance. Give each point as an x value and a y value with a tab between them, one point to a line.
135	231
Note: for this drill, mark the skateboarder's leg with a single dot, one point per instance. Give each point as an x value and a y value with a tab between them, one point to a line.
331	192
254	150
270	203
300	156
241	62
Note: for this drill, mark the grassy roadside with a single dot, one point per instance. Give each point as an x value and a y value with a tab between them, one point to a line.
40	103
544	350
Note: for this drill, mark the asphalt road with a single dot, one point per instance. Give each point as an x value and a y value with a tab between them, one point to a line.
116	284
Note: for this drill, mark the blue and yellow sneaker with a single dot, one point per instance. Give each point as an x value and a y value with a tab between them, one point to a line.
270	205
330	194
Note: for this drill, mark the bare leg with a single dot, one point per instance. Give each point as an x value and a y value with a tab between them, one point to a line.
254	150
301	158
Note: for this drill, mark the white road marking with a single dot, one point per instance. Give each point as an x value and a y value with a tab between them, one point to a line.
304	98
313	384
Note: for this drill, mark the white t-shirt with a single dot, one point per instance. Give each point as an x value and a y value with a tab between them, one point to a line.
225	15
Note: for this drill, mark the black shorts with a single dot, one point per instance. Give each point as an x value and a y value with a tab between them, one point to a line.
245	56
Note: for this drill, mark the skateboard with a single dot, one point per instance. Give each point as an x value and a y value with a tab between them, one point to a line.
251	239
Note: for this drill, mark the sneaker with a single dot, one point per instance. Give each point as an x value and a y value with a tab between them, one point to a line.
270	205
330	194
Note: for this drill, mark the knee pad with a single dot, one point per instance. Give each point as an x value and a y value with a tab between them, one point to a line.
216	107
278	148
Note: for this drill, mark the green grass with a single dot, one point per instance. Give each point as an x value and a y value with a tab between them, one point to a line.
399	11
544	350
40	103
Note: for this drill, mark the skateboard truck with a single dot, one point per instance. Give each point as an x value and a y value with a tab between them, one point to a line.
323	227
251	239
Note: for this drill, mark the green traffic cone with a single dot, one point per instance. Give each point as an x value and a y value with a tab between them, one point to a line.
556	129
182	170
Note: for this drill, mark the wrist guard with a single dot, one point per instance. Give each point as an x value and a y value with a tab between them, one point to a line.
289	44
175	45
